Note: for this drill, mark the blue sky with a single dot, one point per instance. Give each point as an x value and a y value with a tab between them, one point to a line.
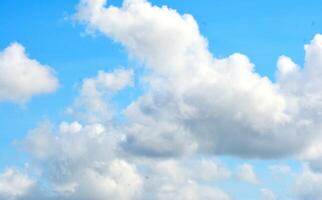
262	31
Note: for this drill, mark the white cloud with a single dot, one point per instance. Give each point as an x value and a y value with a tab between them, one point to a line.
22	77
197	101
93	104
202	103
286	66
117	180
302	89
87	164
208	170
167	180
79	162
73	127
115	81
280	169
85	160
14	184
246	173
267	194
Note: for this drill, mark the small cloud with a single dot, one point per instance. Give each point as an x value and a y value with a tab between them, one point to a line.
267	194
280	169
246	173
22	77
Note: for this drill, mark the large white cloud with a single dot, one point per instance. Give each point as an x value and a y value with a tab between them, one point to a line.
22	77
84	162
196	101
171	45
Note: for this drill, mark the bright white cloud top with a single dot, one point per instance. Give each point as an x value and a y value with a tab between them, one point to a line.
194	106
22	77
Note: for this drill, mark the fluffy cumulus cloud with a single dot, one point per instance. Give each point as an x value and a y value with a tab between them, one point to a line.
92	105
301	88
202	103
22	77
14	184
79	162
84	162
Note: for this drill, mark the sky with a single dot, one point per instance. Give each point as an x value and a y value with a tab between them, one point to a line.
160	99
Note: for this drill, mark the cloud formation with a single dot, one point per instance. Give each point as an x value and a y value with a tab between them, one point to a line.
194	106
200	103
22	77
84	161
246	173
79	162
93	103
267	194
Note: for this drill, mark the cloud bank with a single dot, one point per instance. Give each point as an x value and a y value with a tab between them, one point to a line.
195	106
200	103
